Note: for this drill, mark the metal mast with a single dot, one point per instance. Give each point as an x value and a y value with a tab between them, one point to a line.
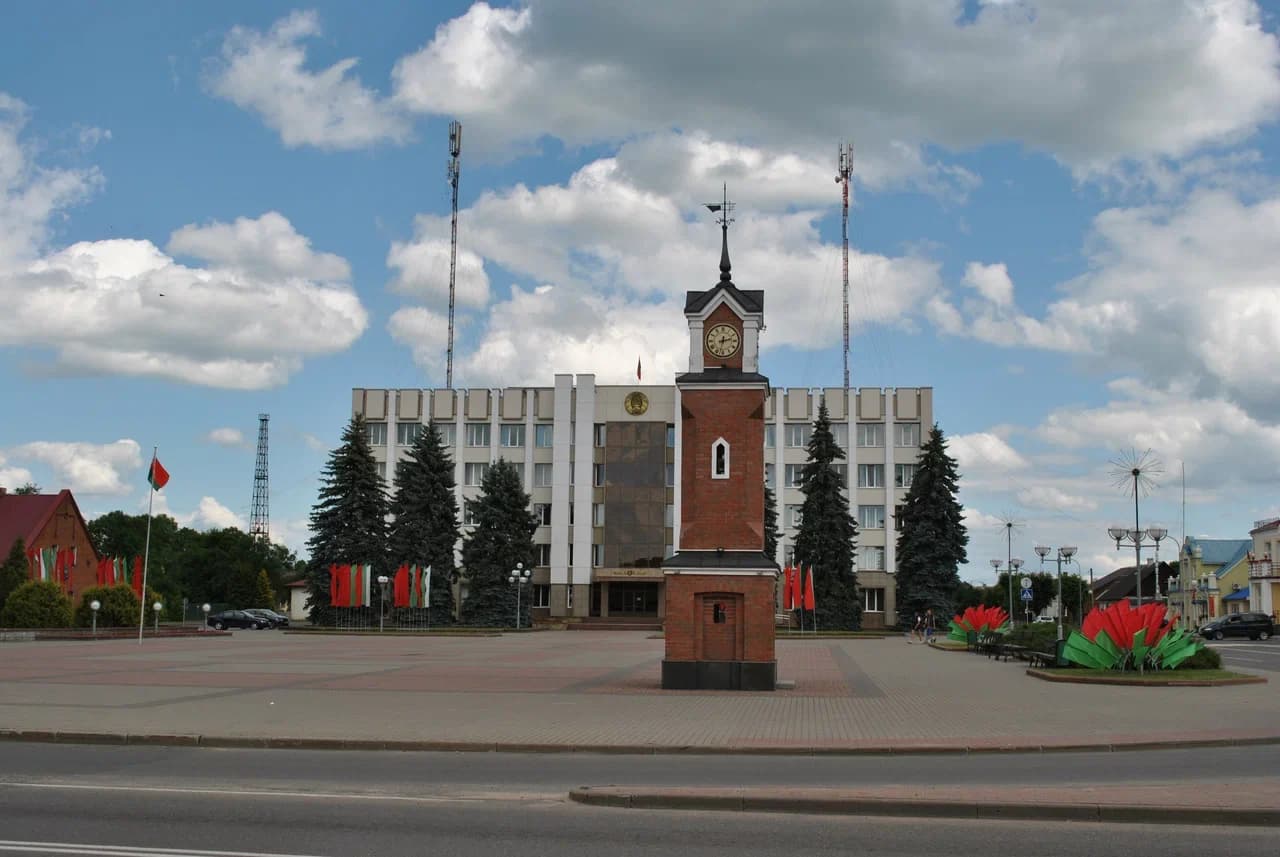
844	164
260	524
455	169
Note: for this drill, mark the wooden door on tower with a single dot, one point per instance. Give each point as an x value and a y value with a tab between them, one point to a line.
720	627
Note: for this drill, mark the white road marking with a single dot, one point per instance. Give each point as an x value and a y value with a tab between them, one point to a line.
134	851
460	798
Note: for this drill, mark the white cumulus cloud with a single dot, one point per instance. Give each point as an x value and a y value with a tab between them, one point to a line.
86	468
226	437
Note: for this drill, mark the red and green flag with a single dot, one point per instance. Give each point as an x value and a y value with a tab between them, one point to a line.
157	475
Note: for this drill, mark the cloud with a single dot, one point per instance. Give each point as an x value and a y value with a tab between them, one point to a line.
1155	81
13	477
984	453
990	281
314	443
267	73
226	437
423	272
122	306
268	246
85	468
209	514
1054	499
612	261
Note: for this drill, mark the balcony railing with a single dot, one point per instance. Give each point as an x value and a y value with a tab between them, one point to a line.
1265	567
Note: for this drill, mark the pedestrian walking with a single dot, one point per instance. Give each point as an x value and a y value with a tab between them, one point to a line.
917	629
930	625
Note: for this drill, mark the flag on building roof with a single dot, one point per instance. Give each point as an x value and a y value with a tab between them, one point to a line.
637	368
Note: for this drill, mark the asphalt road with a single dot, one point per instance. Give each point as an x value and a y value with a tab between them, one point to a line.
1250	654
101	821
466	775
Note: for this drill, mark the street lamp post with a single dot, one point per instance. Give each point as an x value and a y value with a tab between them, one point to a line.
1139	537
519	577
1063	553
382	601
205	608
1158	534
1012	569
95	605
156	608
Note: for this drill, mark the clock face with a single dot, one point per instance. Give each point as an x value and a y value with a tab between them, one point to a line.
723	340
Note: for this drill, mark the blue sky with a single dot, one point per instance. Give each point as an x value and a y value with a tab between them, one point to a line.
1064	222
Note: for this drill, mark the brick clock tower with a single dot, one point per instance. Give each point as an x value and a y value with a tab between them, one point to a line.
720	601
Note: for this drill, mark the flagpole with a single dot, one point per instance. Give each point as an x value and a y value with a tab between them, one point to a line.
146	550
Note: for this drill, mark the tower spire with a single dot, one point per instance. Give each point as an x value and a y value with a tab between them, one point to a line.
724	208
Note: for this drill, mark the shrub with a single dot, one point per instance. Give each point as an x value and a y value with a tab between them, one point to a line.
119	607
1205	659
1039	636
37	604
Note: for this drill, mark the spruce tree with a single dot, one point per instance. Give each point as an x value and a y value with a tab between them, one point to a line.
931	535
503	536
770	522
424	528
14	572
828	534
349	521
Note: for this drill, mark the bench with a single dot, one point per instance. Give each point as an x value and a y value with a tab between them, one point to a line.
1042	659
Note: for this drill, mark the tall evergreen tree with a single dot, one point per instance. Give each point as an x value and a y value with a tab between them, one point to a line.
424	528
828	534
931	535
503	536
770	522
14	572
349	521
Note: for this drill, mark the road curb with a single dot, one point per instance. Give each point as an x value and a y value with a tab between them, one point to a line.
44	736
1063	677
838	802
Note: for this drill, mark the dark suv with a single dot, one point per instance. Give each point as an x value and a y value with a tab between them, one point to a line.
1255	626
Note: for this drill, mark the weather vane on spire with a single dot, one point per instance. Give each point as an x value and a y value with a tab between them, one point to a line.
724	208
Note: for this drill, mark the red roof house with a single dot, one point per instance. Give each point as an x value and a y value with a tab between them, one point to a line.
49	522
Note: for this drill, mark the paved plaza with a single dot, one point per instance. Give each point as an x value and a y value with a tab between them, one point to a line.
587	691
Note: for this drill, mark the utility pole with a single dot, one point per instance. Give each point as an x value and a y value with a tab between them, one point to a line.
844	164
455	170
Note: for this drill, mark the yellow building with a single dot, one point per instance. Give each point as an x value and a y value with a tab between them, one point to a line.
1264	567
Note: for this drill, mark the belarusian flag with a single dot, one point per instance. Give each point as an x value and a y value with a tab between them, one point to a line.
137	577
415	587
808	590
400	587
157	475
48	563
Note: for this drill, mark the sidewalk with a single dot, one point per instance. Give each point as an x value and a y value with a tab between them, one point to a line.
585	691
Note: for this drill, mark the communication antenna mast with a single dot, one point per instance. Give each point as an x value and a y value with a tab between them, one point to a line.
455	169
844	164
260	524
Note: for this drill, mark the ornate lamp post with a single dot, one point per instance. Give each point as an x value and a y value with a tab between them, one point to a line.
519	577
156	608
95	605
205	609
382	600
1063	553
1135	472
1158	534
1012	569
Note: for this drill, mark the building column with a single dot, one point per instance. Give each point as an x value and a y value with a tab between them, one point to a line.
561	496
584	413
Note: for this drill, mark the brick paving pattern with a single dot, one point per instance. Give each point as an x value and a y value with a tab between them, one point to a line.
588	689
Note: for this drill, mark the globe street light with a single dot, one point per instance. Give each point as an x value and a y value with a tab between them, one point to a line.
156	608
205	607
519	577
382	599
95	605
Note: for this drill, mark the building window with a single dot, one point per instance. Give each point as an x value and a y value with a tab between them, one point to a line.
542	511
840	431
544	554
793	515
870	558
377	434
871	517
544	436
903	475
671	475
407	434
720	459
797	435
768	477
597	475
599	432
873	600
870	434
897	516
906	434
597	556
571	524
669	515
870	475
541	595
382	470
842	473
542	475
770	436
477	434
671	436
469	513
791	476
789	554
511	435
473	473
448	434
597	514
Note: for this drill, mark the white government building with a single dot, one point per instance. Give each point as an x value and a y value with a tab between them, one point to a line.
601	465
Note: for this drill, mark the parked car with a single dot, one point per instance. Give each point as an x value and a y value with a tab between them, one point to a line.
1049	619
1255	626
277	620
236	619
